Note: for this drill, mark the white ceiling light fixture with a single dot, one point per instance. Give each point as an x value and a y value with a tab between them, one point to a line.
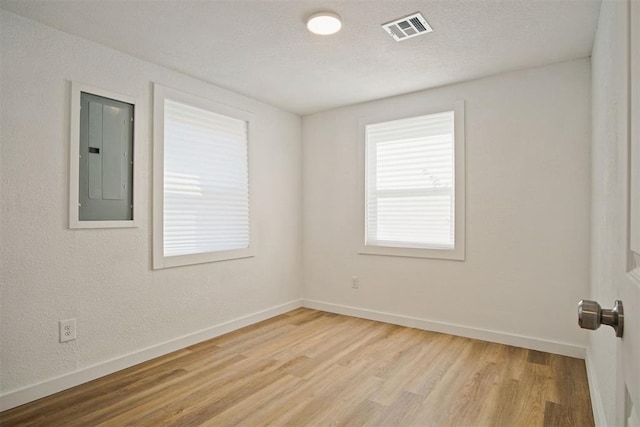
324	23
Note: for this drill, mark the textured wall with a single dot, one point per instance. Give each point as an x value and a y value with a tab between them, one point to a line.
103	277
528	175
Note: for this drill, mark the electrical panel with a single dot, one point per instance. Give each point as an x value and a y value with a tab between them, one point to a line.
105	159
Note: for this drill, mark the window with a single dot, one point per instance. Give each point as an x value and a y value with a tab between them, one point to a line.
414	185
201	180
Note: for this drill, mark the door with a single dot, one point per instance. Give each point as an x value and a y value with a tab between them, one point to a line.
613	363
627	283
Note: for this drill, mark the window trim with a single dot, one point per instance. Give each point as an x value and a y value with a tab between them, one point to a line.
74	158
458	253
160	93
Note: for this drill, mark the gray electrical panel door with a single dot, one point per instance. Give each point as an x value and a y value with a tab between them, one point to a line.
106	159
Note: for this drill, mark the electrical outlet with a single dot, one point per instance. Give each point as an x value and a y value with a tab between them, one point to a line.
67	330
355	282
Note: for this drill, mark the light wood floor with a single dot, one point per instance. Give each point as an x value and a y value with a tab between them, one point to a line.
310	368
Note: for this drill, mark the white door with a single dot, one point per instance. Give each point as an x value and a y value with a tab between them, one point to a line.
614	363
627	284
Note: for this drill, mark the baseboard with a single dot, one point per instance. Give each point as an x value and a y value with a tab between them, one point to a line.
596	400
54	385
452	329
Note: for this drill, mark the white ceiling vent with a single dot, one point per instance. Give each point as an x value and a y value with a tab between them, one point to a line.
407	27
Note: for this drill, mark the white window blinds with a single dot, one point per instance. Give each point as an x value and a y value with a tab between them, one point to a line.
206	181
410	200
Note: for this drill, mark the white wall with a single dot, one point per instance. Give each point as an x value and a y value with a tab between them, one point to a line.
103	278
608	230
528	204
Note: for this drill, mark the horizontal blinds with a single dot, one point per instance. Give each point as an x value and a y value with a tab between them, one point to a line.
206	181
410	182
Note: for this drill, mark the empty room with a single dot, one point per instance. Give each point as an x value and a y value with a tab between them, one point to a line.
314	213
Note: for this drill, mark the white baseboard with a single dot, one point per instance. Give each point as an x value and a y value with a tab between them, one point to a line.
452	329
596	400
30	393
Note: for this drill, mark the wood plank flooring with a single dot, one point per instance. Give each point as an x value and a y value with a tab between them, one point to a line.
311	368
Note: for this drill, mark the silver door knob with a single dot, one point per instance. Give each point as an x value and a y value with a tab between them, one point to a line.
591	316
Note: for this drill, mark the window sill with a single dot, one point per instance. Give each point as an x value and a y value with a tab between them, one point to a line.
202	258
454	255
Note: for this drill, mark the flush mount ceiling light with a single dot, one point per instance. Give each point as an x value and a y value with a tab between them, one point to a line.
324	23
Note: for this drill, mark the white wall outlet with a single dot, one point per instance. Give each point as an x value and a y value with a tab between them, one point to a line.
67	330
355	282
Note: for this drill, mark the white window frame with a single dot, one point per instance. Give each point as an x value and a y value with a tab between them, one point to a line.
74	158
160	93
458	252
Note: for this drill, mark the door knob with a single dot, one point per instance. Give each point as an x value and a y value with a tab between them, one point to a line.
591	316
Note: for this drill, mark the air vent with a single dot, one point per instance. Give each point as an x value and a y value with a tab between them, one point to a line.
407	27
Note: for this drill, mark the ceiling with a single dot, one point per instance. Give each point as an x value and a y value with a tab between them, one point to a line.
262	49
